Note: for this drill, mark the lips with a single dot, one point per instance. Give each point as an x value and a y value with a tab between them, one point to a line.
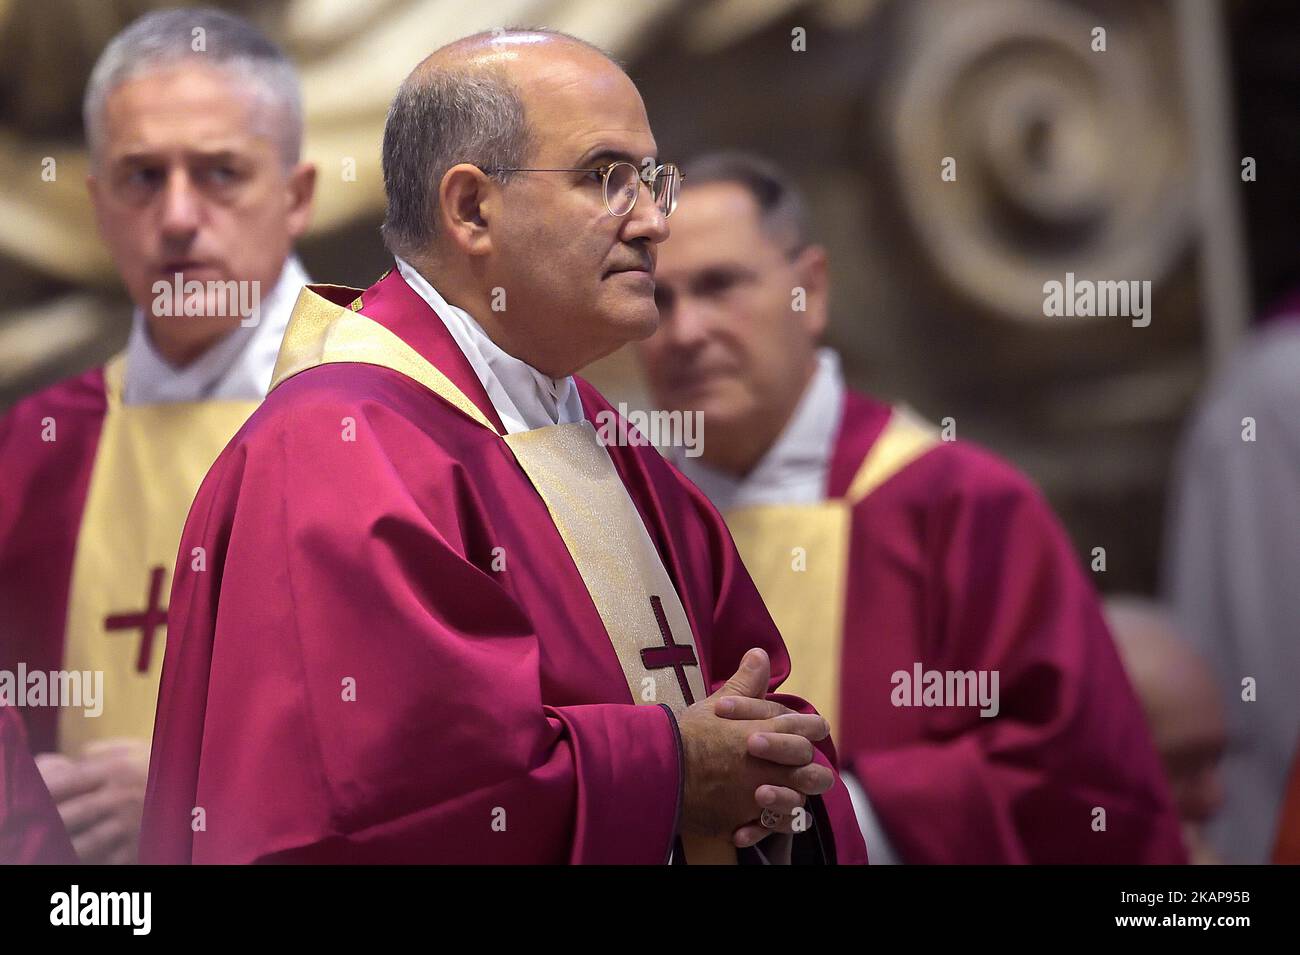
185	266
696	380
639	266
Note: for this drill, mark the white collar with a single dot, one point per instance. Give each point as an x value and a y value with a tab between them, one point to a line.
237	367
795	469
524	398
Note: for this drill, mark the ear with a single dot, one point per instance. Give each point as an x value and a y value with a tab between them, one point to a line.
467	203
302	196
811	267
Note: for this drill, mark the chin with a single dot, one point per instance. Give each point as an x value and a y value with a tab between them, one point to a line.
645	326
720	406
632	322
723	414
201	328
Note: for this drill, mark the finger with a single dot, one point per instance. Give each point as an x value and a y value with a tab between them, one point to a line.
124	767
124	854
51	759
779	799
750	834
752	678
84	812
95	844
811	780
67	778
53	767
808	725
791	815
781	748
746	708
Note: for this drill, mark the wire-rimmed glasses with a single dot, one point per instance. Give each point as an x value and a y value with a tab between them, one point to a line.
622	184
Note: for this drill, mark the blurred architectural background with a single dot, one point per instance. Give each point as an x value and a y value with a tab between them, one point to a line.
1120	163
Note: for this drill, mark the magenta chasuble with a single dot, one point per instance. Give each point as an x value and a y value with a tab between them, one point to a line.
93	496
410	640
934	557
30	828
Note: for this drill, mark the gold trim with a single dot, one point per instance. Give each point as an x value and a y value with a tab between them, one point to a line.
150	460
906	437
797	556
624	574
575	477
321	332
115	378
603	532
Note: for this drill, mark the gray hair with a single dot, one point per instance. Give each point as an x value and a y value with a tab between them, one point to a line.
202	35
437	120
781	205
442	117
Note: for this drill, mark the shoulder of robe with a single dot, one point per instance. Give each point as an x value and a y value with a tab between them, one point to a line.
76	406
339	415
945	474
966	475
324	395
960	487
80	394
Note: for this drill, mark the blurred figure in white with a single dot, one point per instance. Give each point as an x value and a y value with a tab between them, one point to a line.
1182	703
1232	567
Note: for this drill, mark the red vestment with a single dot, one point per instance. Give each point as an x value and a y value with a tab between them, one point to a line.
389	655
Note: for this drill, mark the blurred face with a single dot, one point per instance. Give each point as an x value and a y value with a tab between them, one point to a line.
580	278
189	180
1180	698
732	343
1190	737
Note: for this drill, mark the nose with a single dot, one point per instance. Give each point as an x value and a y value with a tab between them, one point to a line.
686	328
646	220
180	208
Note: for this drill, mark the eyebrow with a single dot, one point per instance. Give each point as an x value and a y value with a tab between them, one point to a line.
600	153
717	269
712	270
215	155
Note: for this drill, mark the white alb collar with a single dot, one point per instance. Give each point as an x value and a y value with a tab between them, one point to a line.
796	468
238	367
524	398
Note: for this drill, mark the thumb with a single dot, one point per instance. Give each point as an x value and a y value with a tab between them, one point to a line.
751	678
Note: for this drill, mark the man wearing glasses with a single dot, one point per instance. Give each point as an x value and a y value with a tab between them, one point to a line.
439	621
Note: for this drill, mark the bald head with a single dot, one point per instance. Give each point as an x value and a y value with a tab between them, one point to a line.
467	102
508	48
1167	672
1180	697
498	156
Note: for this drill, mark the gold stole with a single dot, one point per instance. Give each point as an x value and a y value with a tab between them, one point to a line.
589	504
797	555
148	466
